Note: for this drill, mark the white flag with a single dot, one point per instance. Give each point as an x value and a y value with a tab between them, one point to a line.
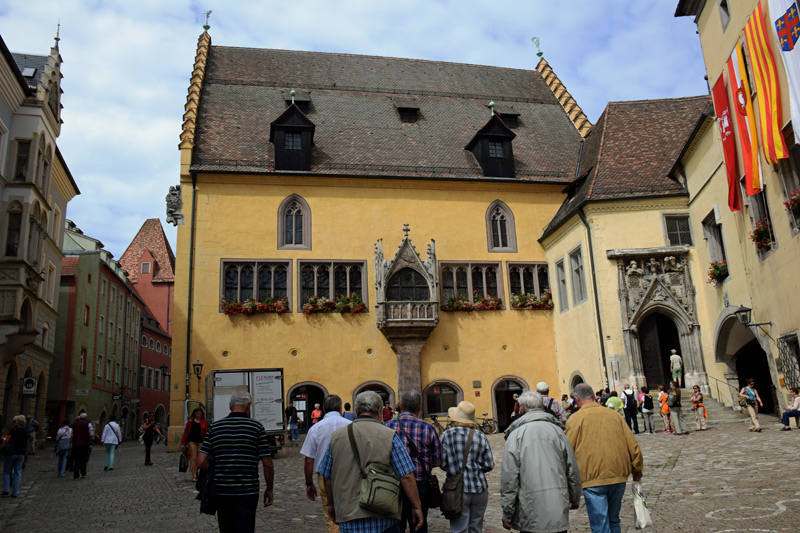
784	19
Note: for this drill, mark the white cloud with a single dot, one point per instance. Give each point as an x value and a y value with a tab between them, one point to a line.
127	65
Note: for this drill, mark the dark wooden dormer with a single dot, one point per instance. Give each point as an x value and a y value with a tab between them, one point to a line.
292	134
491	146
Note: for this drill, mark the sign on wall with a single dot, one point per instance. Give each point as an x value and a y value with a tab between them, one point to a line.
29	386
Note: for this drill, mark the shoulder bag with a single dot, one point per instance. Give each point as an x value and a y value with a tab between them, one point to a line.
183	462
434	494
453	488
380	486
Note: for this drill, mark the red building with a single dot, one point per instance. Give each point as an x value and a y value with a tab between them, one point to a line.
154	370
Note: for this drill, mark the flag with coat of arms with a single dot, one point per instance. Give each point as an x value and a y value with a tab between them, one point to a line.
785	18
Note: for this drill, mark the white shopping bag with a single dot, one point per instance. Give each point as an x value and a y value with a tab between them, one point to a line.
640	507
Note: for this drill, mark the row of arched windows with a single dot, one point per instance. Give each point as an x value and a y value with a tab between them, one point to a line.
294	226
149	342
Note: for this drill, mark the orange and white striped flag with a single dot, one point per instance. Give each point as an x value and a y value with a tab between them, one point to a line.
745	120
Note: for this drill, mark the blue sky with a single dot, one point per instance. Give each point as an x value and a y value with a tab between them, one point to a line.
127	65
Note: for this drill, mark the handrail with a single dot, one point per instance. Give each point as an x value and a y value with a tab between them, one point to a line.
733	392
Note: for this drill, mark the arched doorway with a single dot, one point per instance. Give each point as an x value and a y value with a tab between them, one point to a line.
751	362
161	419
101	424
382	389
440	396
304	396
28	401
577	379
503	392
658	334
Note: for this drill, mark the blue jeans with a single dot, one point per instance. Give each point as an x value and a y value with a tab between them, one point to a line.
110	448
473	507
294	434
787	415
237	514
603	504
405	513
12	467
62	461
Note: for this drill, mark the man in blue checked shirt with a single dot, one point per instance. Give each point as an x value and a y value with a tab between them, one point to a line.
423	445
342	476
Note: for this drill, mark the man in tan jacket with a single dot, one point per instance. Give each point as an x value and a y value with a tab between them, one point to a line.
607	454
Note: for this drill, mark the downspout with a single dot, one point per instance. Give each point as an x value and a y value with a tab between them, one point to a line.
191	276
594	288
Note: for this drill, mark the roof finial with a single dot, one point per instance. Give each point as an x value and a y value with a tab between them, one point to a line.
536	42
292	93
58	32
406	229
206	26
491	106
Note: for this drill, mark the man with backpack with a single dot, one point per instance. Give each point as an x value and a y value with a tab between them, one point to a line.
550	405
648	407
631	409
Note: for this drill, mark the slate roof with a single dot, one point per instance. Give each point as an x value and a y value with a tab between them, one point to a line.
150	237
69	266
632	152
358	129
33	61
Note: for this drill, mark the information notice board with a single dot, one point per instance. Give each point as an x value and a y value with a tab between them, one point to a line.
267	394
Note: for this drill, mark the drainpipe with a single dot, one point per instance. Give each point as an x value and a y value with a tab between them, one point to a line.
594	287
191	291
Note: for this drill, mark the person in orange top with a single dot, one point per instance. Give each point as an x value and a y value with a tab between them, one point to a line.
662	398
316	414
193	436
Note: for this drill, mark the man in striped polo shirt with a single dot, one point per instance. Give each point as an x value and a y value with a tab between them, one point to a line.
236	444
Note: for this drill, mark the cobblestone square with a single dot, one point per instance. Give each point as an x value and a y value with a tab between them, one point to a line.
725	479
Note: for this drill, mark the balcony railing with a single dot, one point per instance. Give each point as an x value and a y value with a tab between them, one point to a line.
394	312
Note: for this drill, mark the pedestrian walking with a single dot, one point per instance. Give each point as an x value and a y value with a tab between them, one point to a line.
351	448
665	414
237	444
676	367
750	394
15	448
615	403
81	444
700	413
479	461
648	407
111	438
516	407
150	429
63	446
388	412
425	450
675	409
791	411
31	426
539	481
193	436
348	412
607	453
314	448
291	424
631	408
551	405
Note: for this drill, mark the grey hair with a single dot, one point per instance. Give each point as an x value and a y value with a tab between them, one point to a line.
19	419
584	392
368	402
411	400
240	398
531	401
331	403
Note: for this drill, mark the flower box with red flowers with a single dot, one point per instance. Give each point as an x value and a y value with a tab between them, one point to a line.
350	304
252	307
793	203
531	302
319	304
717	272
487	303
457	303
762	233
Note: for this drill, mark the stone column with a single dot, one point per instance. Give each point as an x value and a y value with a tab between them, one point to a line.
409	375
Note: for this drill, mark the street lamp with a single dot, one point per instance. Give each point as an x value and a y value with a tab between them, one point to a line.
745	314
197	366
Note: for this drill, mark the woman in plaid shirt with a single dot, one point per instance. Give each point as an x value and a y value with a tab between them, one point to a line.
479	461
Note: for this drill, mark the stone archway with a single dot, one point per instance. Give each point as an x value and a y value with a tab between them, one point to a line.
382	389
305	395
503	390
658	334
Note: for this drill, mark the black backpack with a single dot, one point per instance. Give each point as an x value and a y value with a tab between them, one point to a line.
630	402
647	402
549	408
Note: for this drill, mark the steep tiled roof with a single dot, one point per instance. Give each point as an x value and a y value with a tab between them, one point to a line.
151	237
31	61
69	266
358	129
632	151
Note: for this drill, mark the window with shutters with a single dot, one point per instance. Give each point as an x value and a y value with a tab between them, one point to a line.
257	279
678	230
294	224
331	279
501	233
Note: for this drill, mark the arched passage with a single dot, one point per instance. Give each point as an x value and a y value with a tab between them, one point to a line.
439	396
658	334
751	362
382	389
577	379
305	395
503	392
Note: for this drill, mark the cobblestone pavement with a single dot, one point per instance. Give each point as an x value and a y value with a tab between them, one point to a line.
725	479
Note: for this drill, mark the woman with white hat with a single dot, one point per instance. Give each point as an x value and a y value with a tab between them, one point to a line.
462	436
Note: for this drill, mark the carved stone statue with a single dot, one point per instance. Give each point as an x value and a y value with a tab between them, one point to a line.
174	205
653	266
634	270
671	265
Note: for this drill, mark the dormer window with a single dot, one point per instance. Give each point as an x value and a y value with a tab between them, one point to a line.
510	119
408	115
302	99
491	147
292	135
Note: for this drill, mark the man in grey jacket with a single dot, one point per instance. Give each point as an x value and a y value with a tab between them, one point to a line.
539	481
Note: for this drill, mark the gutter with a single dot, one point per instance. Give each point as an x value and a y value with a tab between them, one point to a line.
191	276
582	215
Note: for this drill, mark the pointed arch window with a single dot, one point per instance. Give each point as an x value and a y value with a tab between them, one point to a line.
407	285
294	224
501	234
